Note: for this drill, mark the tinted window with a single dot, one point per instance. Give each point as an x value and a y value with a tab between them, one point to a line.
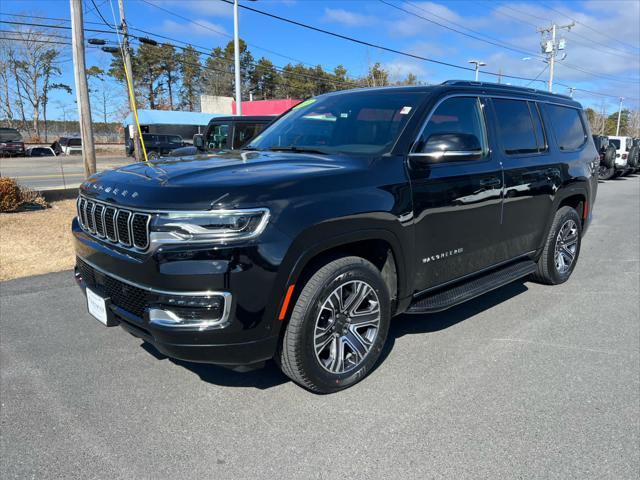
458	115
515	126
245	132
366	122
217	138
568	127
174	138
615	142
75	142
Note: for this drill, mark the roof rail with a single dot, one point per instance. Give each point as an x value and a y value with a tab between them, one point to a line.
503	86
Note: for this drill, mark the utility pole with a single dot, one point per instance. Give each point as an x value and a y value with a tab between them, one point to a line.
82	88
137	147
236	54
619	114
550	46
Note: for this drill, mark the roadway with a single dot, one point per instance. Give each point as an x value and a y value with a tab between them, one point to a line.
46	173
529	381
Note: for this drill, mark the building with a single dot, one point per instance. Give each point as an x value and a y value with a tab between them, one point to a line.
227	106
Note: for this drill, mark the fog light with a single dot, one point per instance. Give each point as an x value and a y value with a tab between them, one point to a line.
194	312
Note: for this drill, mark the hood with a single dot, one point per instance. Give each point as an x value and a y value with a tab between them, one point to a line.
227	180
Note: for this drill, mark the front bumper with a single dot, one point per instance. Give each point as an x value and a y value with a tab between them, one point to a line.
249	334
131	312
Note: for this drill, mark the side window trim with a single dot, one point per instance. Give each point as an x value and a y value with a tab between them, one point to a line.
533	104
481	99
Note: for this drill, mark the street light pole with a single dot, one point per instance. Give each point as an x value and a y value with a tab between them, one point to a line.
236	54
477	64
619	114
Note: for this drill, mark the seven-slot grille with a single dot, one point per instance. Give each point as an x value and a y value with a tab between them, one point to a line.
117	225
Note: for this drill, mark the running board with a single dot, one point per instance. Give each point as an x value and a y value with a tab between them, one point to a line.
470	289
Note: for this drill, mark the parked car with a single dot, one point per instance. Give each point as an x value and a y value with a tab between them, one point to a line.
11	143
40	152
607	157
70	145
157	145
225	133
340	215
622	145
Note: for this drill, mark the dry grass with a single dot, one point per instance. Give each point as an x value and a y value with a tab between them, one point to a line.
36	242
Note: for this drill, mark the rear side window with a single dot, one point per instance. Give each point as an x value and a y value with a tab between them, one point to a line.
75	142
516	127
568	127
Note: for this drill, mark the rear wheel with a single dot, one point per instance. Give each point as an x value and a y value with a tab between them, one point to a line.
606	173
561	248
338	326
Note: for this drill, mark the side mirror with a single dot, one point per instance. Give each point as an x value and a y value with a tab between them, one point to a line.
198	141
450	147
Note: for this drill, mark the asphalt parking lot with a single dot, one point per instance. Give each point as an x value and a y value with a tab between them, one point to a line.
529	381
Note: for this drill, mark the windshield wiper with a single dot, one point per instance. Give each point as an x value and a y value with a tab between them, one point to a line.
293	148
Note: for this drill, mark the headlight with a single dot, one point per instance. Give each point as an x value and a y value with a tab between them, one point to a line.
217	226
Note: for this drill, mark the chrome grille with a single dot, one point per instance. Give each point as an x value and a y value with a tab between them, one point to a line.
118	226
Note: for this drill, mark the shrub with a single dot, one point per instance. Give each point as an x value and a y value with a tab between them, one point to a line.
14	197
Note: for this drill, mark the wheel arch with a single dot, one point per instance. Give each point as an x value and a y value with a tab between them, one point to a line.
380	246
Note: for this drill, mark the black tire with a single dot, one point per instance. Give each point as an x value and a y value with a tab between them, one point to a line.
153	155
633	157
609	156
606	173
548	272
297	356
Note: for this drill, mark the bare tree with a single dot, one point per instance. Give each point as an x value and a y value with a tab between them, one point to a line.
32	62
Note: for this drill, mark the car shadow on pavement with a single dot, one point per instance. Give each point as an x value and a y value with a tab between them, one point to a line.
271	376
261	378
434	322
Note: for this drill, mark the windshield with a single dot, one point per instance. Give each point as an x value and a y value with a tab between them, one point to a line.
10	135
366	122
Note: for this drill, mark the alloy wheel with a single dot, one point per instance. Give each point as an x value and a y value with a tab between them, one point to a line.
347	326
566	246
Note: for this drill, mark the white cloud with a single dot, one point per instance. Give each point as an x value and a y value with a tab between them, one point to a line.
345	17
204	8
399	69
202	28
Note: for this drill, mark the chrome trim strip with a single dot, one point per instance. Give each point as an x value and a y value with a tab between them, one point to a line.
92	227
128	227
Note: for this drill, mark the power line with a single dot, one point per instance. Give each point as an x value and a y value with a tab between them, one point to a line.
547	20
591	28
358	41
496	42
97	10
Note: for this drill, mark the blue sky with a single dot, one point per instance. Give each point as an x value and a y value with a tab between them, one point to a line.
604	42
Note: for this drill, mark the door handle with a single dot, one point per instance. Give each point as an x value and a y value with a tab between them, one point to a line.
491	182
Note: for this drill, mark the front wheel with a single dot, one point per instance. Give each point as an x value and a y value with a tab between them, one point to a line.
338	326
561	249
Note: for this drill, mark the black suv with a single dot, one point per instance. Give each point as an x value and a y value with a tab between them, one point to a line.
225	133
156	144
352	208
